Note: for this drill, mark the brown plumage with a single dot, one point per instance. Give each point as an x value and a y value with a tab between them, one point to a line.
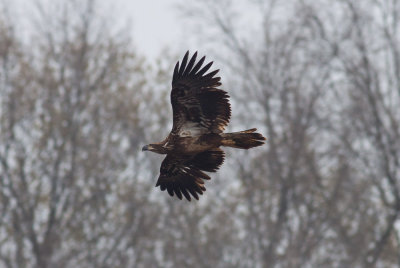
201	111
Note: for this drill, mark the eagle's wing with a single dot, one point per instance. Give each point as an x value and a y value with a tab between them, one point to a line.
184	175
198	105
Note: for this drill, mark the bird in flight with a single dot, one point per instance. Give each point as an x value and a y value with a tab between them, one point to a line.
201	111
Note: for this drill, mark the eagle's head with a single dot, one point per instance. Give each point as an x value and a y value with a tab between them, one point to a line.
154	147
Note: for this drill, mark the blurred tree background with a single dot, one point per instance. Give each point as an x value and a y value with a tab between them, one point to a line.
321	80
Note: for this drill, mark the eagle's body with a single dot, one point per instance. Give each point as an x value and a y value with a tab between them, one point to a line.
187	145
201	111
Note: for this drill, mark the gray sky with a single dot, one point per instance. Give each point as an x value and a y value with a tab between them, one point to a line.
155	24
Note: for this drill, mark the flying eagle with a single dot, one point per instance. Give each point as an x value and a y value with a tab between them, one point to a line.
201	111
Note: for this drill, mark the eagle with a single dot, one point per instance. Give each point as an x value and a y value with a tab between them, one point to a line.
201	111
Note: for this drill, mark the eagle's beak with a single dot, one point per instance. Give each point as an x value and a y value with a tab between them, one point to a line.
145	148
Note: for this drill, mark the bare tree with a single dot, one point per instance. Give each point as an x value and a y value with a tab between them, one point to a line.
70	136
322	79
369	60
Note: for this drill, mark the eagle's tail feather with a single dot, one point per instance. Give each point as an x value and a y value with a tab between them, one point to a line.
243	139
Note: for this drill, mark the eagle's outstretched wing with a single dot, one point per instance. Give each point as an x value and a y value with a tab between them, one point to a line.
184	176
198	105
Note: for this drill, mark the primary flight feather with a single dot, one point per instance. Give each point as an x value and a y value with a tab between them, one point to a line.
201	111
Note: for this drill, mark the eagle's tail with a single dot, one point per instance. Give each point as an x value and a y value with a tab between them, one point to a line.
243	139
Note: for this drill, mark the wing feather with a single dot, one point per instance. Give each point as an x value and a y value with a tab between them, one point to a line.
198	105
170	191
198	65
184	176
176	71
205	69
190	65
178	193
183	66
194	193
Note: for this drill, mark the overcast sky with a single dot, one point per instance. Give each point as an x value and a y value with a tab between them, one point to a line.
155	24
